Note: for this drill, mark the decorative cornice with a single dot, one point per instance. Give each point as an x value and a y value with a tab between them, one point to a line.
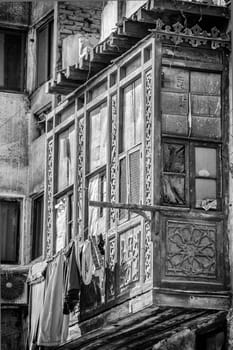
194	36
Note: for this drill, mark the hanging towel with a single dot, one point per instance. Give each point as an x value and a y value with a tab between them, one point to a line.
53	326
72	283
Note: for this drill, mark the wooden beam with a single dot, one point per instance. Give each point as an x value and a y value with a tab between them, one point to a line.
190	7
64	82
146	16
137	207
77	74
103	57
135	29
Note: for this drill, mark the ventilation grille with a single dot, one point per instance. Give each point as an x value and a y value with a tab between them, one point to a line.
13	288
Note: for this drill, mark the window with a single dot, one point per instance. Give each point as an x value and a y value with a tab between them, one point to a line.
44	53
64	185
97	192
37	226
66	144
11	60
191	110
130	140
10	230
191	174
64	220
98	137
132	118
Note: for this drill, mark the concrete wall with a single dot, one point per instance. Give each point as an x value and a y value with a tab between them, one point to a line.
16	13
13	143
132	6
37	164
40	8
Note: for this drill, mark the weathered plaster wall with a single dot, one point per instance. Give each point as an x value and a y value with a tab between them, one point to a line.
15	12
13	143
37	165
40	8
83	17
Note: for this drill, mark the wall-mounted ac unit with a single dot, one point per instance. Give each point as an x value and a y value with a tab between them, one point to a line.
14	288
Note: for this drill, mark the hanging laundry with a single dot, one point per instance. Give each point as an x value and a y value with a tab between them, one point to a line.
72	284
53	326
87	263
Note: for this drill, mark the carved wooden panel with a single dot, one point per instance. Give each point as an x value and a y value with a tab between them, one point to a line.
148	251
110	270
191	249
49	237
148	170
148	140
129	268
80	165
113	164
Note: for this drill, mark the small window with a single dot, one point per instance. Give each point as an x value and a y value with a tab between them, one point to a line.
10	229
44	53
129	179
64	220
66	155
191	171
37	227
98	137
97	192
206	176
11	60
132	117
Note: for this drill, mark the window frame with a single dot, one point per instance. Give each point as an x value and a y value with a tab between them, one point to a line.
16	261
39	197
126	155
190	176
21	34
48	54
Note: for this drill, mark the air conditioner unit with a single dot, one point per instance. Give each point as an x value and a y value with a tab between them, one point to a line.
14	288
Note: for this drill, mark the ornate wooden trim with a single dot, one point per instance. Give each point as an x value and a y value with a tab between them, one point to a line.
49	236
194	36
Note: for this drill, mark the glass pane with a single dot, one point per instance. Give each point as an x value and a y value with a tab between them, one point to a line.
205	190
66	154
174	158
205	162
61	223
173	189
98	137
132	125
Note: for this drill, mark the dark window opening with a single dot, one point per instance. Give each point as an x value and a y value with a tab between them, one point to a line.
37	229
44	53
11	60
10	228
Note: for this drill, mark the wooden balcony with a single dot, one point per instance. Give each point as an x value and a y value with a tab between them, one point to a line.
130	30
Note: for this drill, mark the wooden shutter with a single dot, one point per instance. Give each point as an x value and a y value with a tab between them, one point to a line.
122	186
134	177
9	223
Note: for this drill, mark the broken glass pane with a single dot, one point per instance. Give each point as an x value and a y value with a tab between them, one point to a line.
205	162
174	158
173	187
205	189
